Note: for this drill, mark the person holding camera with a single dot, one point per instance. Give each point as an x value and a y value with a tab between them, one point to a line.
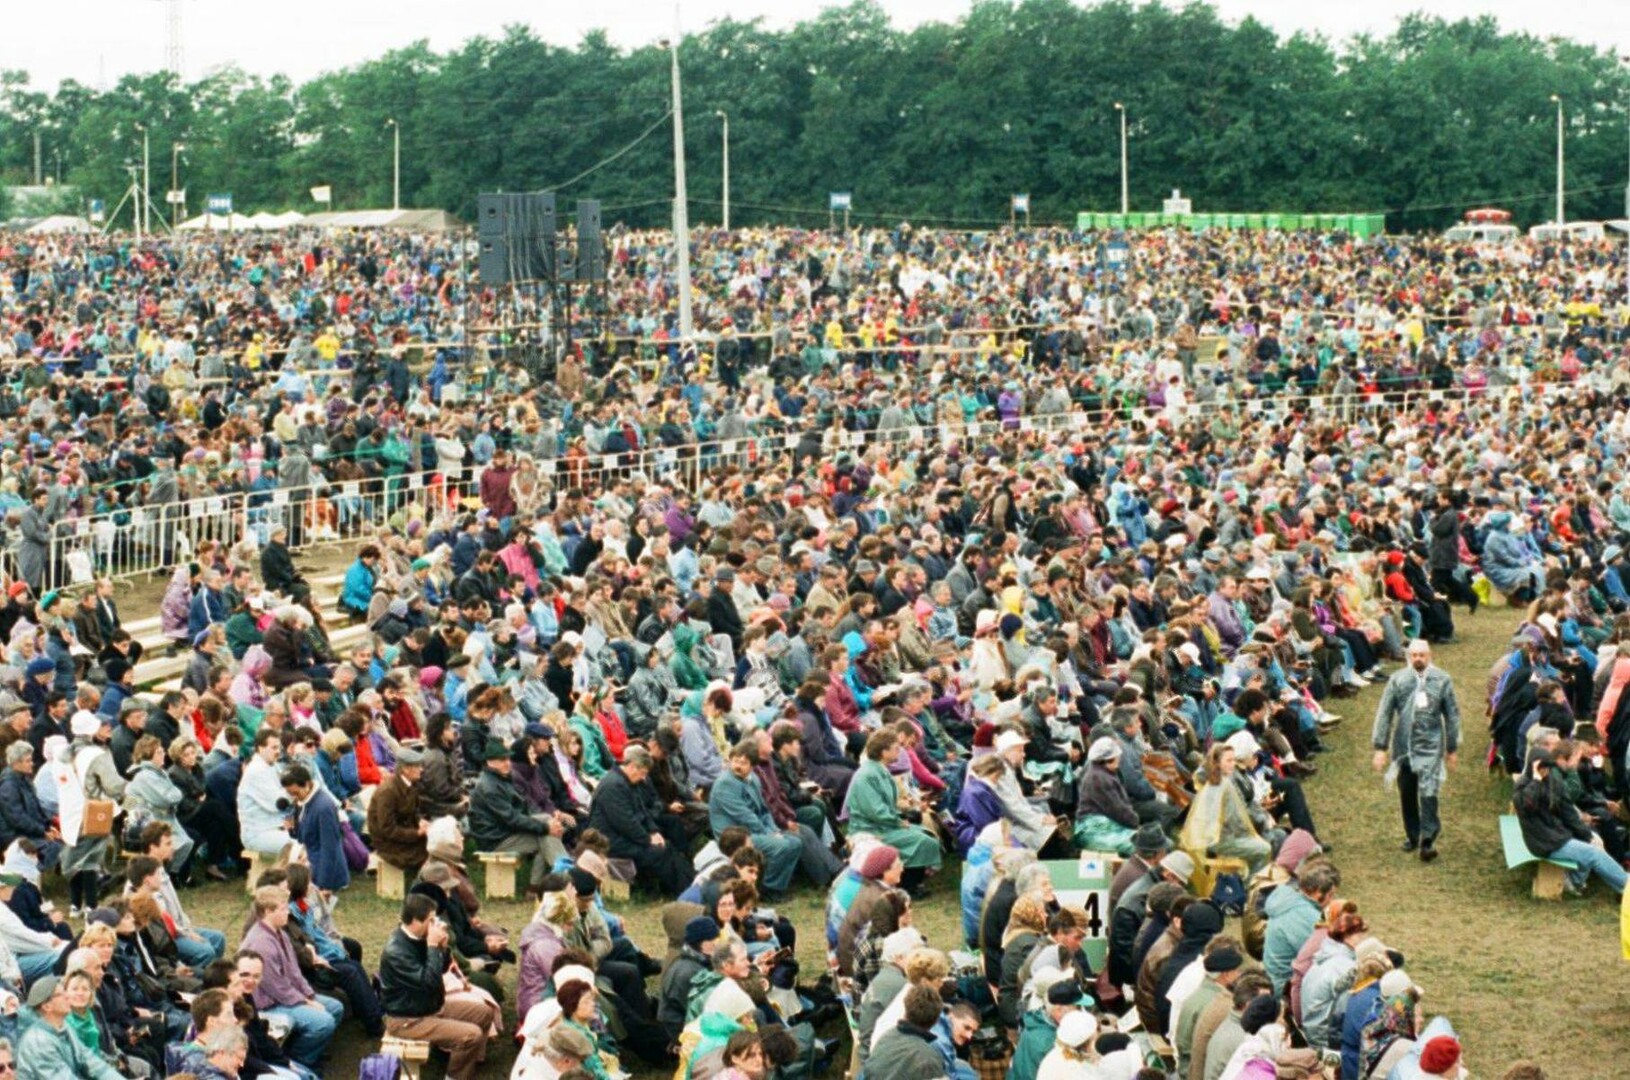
412	972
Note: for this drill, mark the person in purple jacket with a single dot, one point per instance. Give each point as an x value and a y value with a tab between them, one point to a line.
283	992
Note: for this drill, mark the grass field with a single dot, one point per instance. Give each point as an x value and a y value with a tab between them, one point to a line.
1518	977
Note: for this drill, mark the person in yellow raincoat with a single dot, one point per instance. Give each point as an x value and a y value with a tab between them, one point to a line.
1220	822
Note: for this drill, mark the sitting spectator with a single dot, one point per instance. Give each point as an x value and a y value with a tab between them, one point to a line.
626	811
1553	829
412	977
500	819
21	816
283	991
395	824
46	1048
198	946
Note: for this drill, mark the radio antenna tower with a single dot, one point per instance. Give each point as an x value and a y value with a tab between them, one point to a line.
174	49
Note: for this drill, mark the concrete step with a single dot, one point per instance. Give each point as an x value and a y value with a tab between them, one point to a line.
164	673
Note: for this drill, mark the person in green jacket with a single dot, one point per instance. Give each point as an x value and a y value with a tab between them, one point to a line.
1038	1029
46	1049
873	807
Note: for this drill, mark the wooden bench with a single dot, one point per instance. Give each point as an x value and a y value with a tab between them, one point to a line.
500	874
1208	868
1550	875
259	862
412	1053
390	882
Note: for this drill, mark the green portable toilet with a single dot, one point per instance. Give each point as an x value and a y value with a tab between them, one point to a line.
1273	221
1083	221
1117	221
1236	221
1290	222
1256	222
1201	222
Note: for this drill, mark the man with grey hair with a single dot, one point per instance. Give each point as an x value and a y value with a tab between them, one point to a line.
21	816
627	810
227	1048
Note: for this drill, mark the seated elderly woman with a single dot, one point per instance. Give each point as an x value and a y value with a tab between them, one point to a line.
1224	820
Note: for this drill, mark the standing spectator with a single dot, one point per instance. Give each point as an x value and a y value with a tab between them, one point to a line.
1417	728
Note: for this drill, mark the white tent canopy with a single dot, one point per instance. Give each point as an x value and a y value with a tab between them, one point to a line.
218	223
61	223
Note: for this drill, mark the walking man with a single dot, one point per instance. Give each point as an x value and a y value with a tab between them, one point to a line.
1417	727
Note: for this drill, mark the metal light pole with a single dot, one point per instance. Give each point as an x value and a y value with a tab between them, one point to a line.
681	216
145	204
175	184
396	159
1125	201
725	117
1559	160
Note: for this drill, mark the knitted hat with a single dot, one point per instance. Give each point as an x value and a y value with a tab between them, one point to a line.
494	751
39	666
1440	1055
877	862
584	882
701	930
1224	960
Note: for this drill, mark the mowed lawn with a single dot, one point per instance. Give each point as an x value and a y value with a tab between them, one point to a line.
1519	978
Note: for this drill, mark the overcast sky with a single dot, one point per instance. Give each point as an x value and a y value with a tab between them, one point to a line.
97	40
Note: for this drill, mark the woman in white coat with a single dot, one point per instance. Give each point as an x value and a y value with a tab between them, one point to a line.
85	771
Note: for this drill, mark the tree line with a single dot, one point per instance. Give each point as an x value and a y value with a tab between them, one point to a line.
938	125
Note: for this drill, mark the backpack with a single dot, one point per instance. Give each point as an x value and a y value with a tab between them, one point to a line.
380	1067
1228	893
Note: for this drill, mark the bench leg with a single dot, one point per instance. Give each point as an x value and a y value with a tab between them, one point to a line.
390	883
501	880
1549	878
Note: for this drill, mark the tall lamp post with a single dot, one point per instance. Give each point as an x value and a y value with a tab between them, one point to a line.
396	163
175	183
681	215
1560	172
1125	200
725	118
144	205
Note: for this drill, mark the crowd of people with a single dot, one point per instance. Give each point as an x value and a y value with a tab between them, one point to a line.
1106	622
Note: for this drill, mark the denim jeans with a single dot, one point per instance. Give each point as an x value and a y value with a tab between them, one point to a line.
313	1028
36	965
1590	858
199	954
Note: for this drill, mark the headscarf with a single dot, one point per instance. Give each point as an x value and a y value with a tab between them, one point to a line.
1397	1021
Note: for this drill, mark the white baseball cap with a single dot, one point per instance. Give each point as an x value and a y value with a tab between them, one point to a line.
1007	740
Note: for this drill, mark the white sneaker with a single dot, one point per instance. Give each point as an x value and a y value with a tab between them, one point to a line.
1357	682
75	913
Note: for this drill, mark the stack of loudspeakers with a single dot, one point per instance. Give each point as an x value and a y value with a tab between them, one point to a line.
520	240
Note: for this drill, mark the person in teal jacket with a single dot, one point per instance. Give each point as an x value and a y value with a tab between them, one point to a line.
1292	915
738	799
359	582
1038	1028
46	1049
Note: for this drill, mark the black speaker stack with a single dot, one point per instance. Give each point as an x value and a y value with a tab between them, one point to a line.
521	241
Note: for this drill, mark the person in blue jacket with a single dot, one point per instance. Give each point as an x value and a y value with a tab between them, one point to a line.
359	582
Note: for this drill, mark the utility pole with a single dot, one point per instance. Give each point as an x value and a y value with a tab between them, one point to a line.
180	213
144	201
1125	201
396	169
681	213
725	117
1560	170
38	180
